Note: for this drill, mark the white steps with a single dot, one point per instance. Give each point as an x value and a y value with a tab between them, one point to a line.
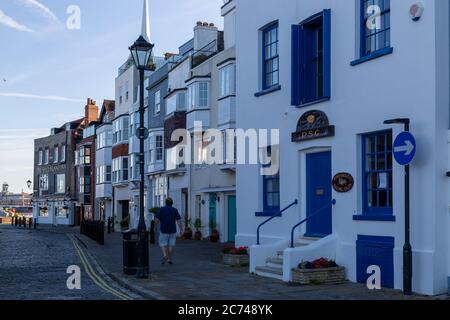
270	272
274	265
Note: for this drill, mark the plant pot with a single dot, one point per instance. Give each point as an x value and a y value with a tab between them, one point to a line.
187	235
215	236
318	276
198	235
236	260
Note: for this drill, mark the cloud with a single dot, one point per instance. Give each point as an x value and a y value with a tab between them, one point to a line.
40	97
11	23
41	8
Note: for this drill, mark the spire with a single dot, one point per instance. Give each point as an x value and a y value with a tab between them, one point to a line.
146	23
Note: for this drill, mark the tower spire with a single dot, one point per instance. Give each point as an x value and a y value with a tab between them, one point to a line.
146	33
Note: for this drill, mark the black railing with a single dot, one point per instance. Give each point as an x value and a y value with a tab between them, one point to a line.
332	203
204	53
277	214
94	230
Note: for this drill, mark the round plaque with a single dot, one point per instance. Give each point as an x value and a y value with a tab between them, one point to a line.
343	182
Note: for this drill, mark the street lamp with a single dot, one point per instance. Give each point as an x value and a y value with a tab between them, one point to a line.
141	51
29	184
407	249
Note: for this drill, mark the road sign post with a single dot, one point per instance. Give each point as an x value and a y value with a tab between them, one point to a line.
404	150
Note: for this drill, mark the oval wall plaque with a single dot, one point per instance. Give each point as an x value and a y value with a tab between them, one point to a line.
343	182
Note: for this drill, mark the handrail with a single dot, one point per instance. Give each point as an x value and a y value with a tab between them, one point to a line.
273	217
333	202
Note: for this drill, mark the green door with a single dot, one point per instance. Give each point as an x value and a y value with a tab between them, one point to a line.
212	211
232	223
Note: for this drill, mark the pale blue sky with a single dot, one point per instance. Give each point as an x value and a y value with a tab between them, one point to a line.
50	70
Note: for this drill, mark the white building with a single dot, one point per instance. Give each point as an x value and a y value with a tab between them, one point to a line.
103	162
212	102
315	70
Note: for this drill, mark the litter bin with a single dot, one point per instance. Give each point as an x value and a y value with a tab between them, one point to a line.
130	252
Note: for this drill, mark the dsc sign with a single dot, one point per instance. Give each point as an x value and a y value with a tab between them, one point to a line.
404	148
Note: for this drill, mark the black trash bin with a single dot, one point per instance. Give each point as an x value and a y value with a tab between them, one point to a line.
130	252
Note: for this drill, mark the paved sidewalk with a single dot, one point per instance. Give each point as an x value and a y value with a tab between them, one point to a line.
198	274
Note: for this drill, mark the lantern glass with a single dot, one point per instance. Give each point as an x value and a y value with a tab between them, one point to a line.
141	51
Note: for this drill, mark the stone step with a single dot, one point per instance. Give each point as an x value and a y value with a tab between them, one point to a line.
276	261
270	272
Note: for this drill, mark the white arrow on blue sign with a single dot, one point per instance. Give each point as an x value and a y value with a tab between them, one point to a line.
404	148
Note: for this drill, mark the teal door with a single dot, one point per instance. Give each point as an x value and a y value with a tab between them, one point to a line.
232	219
212	211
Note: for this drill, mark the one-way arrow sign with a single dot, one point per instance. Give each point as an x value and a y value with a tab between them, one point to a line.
404	148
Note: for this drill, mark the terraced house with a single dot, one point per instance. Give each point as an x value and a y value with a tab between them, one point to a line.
328	74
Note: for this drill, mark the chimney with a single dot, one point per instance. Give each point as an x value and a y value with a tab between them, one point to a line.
204	34
90	111
168	55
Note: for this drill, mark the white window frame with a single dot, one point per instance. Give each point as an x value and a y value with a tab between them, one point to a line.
56	154
157	102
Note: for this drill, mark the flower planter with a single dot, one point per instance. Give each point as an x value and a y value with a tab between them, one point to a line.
235	260
318	276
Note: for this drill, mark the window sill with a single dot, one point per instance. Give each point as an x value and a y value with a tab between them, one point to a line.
268	90
307	104
372	56
366	217
267	214
232	95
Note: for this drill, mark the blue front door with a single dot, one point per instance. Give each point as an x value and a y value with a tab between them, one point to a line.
318	194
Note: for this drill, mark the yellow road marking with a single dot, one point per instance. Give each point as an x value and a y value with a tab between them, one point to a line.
91	273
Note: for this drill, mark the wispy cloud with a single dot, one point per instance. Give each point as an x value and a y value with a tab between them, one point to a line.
11	23
40	97
41	8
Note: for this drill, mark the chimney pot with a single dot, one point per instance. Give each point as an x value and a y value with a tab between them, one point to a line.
205	24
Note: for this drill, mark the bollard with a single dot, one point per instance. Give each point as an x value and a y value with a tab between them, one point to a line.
16	221
30	222
12	221
152	232
35	223
109	225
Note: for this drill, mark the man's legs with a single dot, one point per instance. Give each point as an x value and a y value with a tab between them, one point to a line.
170	251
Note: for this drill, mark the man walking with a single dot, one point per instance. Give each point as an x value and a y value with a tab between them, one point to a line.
167	218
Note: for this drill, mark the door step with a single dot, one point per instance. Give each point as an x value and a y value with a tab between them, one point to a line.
270	272
274	262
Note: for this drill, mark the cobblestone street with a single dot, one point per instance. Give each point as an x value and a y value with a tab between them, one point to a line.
33	266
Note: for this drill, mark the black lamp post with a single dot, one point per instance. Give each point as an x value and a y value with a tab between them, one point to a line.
407	249
29	184
141	51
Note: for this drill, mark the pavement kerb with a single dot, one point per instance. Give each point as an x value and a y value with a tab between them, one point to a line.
147	294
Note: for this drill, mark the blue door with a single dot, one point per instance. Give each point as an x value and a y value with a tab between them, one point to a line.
232	225
318	194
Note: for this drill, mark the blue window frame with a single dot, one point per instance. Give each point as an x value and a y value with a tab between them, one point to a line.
377	173
375	37
271	190
270	58
311	59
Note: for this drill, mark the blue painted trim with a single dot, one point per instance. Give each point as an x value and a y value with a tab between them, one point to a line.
372	217
320	100
296	65
379	212
268	214
267	91
372	56
327	53
389	242
266	29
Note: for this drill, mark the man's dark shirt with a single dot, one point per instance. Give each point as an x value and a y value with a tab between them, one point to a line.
168	217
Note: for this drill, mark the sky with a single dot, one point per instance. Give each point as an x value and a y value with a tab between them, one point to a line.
47	70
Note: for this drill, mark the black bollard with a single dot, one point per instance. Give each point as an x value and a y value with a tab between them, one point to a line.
30	223
16	221
35	223
12	221
152	232
109	225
